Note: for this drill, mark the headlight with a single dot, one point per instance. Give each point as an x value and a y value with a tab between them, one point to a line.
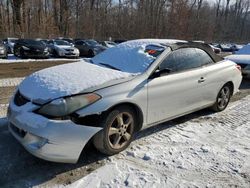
25	48
65	106
76	50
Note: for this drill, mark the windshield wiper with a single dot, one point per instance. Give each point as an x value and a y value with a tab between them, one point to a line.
109	66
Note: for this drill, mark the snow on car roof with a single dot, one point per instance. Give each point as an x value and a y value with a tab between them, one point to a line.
132	56
245	50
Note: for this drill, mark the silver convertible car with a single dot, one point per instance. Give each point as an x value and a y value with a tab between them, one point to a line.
55	112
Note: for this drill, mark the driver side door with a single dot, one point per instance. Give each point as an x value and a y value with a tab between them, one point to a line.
178	92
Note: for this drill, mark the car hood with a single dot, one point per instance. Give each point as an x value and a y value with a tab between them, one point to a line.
68	79
35	47
242	59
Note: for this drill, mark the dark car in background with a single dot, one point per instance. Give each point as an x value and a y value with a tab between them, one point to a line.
119	41
30	48
89	48
10	42
3	50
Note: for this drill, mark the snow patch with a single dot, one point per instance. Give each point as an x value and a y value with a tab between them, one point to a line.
9	82
67	79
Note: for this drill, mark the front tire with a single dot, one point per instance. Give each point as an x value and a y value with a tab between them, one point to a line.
223	98
118	131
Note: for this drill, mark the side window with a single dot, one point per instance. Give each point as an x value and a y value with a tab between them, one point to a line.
79	43
203	58
185	59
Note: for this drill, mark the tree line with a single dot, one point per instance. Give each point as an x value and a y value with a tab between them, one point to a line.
219	20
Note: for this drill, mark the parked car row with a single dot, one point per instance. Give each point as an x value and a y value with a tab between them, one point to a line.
242	58
227	47
60	47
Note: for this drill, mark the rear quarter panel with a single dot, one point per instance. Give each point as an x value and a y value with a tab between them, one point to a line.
217	75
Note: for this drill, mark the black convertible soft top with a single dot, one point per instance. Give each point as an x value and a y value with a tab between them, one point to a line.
202	46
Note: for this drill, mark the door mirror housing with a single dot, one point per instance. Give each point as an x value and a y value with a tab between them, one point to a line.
160	72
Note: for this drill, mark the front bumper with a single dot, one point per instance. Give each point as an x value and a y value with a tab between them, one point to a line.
35	54
3	53
52	140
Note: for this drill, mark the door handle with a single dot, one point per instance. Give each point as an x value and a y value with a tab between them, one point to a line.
201	80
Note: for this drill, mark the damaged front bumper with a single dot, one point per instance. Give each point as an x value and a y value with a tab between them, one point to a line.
52	140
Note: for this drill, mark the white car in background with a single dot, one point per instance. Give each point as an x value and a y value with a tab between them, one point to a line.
55	112
62	48
108	44
242	58
10	42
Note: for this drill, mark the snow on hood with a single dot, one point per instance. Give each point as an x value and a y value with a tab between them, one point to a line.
67	79
244	59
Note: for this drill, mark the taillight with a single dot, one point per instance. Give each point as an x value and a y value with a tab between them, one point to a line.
238	67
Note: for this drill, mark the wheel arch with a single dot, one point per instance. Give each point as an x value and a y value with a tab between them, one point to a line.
136	108
231	85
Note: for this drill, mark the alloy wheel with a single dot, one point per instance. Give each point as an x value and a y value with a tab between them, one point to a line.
223	97
120	130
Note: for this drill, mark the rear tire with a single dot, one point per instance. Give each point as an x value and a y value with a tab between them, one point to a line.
223	98
118	131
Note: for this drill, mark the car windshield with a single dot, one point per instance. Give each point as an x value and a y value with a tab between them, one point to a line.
61	43
12	40
129	57
111	43
91	42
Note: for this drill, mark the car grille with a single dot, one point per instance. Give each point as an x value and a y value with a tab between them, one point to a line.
69	50
21	133
20	100
242	65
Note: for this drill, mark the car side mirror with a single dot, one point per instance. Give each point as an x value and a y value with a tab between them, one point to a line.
160	72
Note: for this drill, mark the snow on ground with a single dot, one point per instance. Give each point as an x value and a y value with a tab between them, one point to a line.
211	150
3	110
10	82
13	59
